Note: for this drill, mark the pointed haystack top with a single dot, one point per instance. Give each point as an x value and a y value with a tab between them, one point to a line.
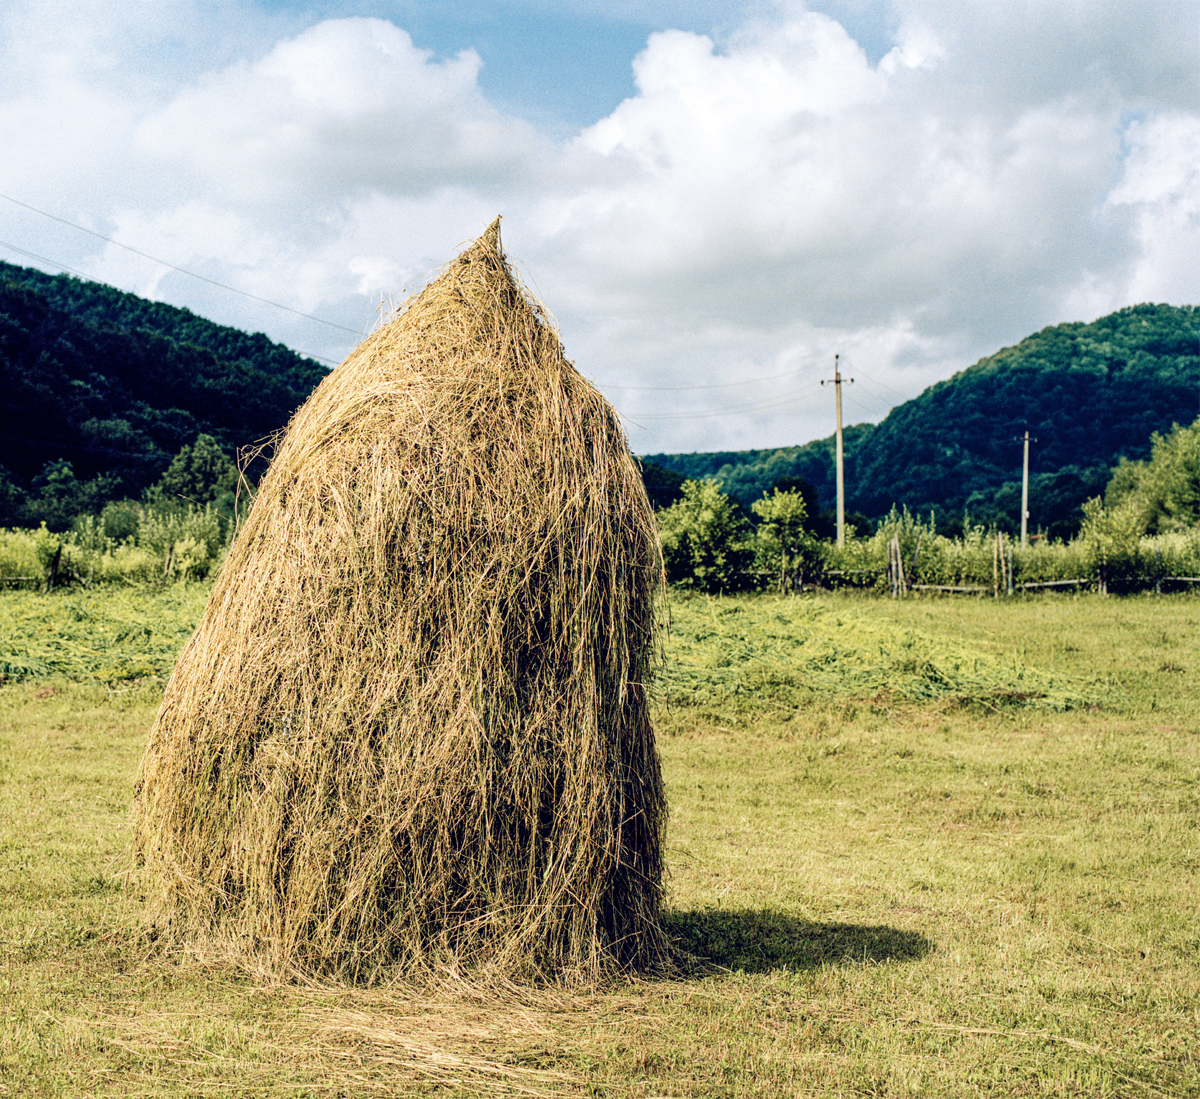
411	730
491	237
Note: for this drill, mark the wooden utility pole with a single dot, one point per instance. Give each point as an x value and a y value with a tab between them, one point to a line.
1025	493
841	476
896	558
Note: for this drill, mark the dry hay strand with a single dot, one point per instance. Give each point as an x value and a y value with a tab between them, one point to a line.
411	732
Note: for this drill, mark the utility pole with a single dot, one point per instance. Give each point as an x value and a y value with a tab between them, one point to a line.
1025	489
841	476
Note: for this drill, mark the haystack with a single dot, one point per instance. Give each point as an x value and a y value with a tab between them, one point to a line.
411	732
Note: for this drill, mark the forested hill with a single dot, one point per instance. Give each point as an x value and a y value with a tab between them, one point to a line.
115	385
100	389
104	306
1090	394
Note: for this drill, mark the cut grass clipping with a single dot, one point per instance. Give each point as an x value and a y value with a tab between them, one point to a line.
108	635
411	734
734	654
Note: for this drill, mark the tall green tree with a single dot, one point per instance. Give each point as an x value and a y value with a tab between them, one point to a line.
199	474
1165	490
58	496
786	547
705	539
1111	538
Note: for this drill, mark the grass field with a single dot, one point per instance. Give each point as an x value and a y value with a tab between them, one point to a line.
928	847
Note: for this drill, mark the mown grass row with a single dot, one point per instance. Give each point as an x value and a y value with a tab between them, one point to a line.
108	635
762	652
750	652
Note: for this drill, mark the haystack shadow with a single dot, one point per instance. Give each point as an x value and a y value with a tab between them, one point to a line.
762	940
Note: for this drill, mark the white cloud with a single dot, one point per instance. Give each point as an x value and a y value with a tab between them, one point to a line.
787	175
726	155
765	199
783	188
918	48
348	106
1161	186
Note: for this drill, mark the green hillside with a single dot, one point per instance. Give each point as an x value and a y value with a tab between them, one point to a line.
1090	394
115	385
100	389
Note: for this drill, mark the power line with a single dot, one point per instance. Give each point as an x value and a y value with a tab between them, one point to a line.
43	259
757	406
863	408
181	270
883	385
881	398
860	373
690	388
70	270
61	444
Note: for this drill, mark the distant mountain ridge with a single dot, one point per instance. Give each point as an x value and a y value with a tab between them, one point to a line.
115	385
1090	394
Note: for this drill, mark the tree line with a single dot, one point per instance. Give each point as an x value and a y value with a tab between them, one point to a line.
1144	527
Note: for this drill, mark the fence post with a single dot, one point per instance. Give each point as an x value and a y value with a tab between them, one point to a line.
1158	570
996	567
52	571
1010	568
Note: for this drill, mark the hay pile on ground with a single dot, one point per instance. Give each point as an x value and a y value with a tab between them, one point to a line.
411	731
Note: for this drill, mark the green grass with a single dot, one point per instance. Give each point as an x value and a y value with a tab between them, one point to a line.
903	883
106	635
767	653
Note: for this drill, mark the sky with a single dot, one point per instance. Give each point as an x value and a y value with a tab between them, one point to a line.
712	200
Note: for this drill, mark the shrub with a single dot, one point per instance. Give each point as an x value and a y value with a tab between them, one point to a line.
185	538
1112	540
706	542
784	546
20	555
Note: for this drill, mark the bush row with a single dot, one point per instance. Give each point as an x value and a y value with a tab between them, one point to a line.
127	543
710	546
1107	553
